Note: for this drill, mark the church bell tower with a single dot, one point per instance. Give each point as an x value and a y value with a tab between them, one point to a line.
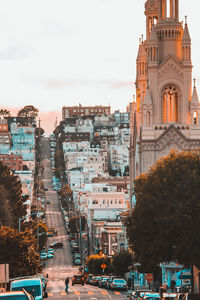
167	110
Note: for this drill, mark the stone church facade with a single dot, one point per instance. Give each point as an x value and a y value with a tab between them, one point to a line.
167	106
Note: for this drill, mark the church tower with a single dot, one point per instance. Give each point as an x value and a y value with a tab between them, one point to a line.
167	110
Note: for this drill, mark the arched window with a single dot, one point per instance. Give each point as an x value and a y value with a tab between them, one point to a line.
195	120
150	24
183	53
148	118
186	53
170	96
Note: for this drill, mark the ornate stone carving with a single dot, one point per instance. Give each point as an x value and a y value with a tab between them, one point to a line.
151	5
171	71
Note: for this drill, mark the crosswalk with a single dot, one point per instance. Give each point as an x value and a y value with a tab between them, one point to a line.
57	287
78	293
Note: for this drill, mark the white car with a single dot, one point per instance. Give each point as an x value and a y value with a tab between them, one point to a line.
119	284
43	256
51	250
49	255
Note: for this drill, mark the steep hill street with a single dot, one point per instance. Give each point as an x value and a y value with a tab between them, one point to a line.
60	266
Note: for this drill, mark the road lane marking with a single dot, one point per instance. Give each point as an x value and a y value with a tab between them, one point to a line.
104	293
50	294
90	293
63	293
117	293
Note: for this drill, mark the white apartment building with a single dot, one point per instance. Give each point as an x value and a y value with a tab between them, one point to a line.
118	157
75	146
94	198
77	178
85	160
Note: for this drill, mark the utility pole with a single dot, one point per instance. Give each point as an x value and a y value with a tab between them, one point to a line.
81	241
132	152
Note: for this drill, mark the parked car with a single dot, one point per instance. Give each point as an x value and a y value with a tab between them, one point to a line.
75	249
50	255
56	245
78	279
77	262
18	295
119	284
152	296
96	280
108	282
102	282
31	285
89	278
51	250
43	256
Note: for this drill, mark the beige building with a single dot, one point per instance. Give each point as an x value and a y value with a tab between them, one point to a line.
167	110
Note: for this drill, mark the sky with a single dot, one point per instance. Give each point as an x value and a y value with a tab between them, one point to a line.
65	52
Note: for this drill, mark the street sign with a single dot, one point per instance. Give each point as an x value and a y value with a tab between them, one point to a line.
149	277
103	266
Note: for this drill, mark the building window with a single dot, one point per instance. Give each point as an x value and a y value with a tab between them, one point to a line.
170	104
195	121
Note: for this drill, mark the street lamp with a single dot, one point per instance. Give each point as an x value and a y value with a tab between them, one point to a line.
21	219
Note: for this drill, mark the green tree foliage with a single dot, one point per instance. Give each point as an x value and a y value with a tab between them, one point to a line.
5	211
19	251
59	163
40	229
66	196
26	113
4	113
121	262
39	132
165	223
12	188
74	224
94	263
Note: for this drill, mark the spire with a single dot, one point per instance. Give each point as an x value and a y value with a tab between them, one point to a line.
186	34
147	98
195	98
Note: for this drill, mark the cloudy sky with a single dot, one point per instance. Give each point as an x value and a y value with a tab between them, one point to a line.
65	52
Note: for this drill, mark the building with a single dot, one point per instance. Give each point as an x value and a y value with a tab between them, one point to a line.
80	111
23	140
5	137
111	230
122	183
119	159
12	161
167	110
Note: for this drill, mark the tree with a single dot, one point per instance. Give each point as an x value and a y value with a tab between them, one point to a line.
14	198
27	112
66	196
4	113
74	224
40	229
94	263
39	132
165	223
5	211
121	261
19	251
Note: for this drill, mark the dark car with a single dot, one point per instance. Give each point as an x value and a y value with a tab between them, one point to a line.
89	278
78	279
102	282
56	245
75	249
95	280
108	282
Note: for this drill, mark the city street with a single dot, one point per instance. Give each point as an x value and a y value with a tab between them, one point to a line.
60	266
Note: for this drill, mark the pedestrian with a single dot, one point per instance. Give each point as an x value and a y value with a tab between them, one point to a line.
67	285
